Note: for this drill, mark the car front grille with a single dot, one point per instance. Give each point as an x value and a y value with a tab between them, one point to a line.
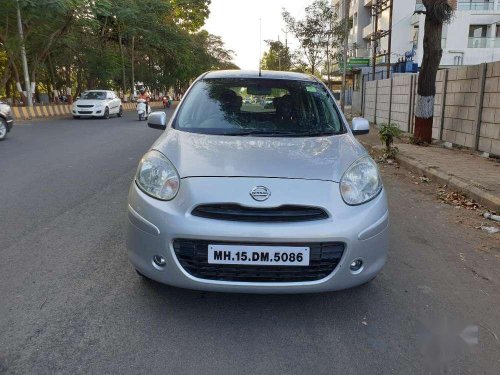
85	112
85	105
283	214
193	257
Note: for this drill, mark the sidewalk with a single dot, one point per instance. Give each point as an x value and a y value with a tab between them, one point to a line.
461	170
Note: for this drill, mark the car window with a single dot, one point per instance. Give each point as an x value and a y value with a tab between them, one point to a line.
94	95
258	107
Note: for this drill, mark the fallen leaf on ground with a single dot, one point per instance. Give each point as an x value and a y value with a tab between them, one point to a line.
456	199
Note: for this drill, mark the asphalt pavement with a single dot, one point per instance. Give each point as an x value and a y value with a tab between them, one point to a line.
70	303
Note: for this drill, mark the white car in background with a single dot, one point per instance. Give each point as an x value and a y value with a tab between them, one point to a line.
97	103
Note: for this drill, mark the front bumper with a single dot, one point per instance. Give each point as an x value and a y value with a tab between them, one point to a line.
88	112
153	226
10	122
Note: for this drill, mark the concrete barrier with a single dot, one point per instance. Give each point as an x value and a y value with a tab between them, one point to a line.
58	110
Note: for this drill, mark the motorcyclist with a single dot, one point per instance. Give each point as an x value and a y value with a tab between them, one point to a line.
143	94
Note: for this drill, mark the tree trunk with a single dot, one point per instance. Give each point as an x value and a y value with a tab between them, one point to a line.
79	82
424	110
50	69
328	63
8	91
16	75
133	71
124	82
24	59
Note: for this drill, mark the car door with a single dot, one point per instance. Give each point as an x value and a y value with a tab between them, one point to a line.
112	104
118	102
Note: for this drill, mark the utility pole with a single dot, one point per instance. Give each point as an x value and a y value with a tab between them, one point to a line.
390	40
286	37
29	99
344	57
279	53
374	40
379	7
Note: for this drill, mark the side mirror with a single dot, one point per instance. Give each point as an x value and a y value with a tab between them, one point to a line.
77	97
360	126
157	120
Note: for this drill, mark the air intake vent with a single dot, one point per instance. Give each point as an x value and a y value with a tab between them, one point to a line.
282	214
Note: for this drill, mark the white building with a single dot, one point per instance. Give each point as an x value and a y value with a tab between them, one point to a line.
472	37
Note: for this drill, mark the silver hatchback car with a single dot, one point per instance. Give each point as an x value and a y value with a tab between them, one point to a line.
258	185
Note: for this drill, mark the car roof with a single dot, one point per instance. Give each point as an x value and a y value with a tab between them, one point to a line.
265	74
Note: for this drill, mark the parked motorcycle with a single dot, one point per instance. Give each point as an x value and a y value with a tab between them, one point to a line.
143	110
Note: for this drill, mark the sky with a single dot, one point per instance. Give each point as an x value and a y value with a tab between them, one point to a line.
237	22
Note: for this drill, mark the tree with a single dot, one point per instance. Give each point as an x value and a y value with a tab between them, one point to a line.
313	32
109	44
437	12
278	57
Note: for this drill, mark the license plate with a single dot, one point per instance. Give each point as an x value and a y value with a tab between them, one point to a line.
258	255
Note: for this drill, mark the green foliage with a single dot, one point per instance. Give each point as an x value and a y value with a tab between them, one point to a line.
439	10
109	44
278	57
315	32
387	133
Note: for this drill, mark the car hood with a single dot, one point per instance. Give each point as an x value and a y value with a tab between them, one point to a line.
318	158
89	102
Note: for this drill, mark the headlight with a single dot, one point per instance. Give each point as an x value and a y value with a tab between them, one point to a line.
361	182
157	177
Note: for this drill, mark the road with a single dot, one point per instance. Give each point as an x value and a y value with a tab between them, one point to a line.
70	303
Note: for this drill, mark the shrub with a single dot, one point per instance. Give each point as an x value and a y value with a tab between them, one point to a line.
387	134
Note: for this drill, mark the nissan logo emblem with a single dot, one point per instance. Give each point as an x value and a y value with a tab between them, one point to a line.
260	193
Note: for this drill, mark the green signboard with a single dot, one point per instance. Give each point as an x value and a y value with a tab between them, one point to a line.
358	61
355	62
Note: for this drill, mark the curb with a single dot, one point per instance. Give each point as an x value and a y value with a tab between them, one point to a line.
480	196
61	110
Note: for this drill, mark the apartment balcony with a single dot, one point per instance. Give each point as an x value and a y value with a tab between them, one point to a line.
478	5
484	43
361	52
367	31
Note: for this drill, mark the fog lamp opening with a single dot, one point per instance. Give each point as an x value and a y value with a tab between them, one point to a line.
356	266
159	262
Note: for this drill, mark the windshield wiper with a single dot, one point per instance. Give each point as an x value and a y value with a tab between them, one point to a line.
317	134
262	132
286	133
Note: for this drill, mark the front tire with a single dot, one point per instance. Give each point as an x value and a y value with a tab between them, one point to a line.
120	112
3	129
106	113
76	117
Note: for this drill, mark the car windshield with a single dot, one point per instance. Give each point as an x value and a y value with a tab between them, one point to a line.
259	107
94	95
